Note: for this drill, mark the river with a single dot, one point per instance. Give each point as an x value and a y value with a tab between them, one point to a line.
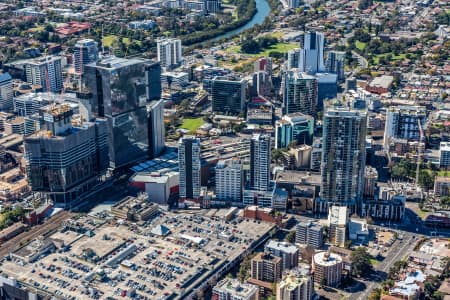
262	11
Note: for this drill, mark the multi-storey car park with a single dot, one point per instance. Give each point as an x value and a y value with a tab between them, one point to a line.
171	256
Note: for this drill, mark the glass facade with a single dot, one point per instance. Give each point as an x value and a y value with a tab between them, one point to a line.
120	92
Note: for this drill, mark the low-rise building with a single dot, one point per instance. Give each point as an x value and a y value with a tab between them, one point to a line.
135	209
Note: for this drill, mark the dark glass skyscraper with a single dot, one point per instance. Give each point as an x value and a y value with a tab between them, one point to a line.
120	90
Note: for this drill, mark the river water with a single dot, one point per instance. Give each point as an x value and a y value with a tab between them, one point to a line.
262	11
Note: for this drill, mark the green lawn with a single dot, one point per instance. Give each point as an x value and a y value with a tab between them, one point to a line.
360	45
110	39
422	214
374	262
36	29
192	124
376	58
443	173
279	47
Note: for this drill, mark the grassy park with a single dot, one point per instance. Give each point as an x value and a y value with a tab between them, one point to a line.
192	124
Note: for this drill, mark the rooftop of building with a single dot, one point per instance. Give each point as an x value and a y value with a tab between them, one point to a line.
236	288
384	81
298	177
267	257
109	237
112	62
296	74
167	162
298	117
358	226
282	246
327	259
44	59
230	79
293	278
338	215
137	204
409	109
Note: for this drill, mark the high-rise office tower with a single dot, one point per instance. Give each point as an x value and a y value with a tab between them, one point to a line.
189	160
156	128
228	94
297	127
45	71
293	61
229	181
297	284
169	52
6	92
261	84
335	64
260	162
85	52
343	155
311	58
153	80
66	160
300	93
402	122
119	91
327	88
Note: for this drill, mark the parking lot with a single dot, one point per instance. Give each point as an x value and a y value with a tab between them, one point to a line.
117	259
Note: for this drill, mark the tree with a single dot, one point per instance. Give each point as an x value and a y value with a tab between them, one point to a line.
277	155
290	237
426	180
375	294
250	46
244	269
360	262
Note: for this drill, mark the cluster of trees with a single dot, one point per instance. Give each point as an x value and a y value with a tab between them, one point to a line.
245	11
255	46
11	216
406	169
361	264
443	18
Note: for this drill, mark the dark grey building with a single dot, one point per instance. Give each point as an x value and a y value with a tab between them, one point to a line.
120	90
228	94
